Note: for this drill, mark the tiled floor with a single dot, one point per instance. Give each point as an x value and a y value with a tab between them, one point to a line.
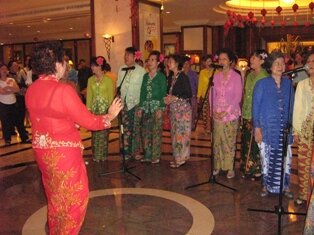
156	204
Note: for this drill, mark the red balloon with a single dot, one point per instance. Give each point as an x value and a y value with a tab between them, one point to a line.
311	6
272	22
307	24
263	12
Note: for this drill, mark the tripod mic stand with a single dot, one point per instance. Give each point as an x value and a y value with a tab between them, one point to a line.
212	177
278	209
125	168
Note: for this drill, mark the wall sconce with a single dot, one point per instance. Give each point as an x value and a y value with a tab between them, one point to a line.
108	39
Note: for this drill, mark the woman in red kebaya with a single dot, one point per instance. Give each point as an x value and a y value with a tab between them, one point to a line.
55	111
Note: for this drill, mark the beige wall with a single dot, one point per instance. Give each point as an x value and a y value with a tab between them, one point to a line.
193	39
117	23
209	41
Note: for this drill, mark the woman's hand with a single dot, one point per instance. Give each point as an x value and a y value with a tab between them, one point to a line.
169	98
258	135
296	138
115	108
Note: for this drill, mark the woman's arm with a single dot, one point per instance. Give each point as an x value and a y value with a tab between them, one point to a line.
78	113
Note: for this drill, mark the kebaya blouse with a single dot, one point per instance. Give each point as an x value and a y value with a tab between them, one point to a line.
153	91
203	80
227	95
250	82
55	109
304	98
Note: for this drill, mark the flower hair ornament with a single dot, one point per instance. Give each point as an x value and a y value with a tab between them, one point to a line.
263	55
138	55
215	58
161	57
100	61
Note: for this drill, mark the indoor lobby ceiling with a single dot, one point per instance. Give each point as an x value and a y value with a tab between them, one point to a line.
32	20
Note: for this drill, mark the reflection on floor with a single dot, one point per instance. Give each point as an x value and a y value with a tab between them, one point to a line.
140	213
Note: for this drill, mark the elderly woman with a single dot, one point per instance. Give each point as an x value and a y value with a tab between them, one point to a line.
303	118
272	105
153	90
178	99
55	109
250	158
99	97
227	94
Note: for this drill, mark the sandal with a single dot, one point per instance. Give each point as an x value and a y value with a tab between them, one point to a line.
264	192
256	177
288	194
155	161
177	164
299	202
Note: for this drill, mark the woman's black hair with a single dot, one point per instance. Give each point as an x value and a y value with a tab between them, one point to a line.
271	58
307	55
178	59
206	57
156	53
95	61
231	55
262	54
45	56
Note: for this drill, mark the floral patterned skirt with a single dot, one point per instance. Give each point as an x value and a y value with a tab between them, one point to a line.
250	157
66	185
181	118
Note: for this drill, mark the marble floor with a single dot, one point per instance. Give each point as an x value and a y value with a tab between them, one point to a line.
156	204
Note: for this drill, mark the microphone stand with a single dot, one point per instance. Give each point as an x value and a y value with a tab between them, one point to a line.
212	177
278	209
125	168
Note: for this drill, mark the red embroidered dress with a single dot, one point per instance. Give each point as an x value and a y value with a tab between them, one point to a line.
55	109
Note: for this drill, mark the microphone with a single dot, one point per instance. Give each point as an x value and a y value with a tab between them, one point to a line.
216	66
293	71
128	68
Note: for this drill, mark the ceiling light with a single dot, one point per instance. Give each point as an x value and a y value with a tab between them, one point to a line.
10	34
38	31
11	23
1	43
167	12
288	1
28	26
71	28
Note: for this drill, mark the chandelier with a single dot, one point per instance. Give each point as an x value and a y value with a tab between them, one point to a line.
242	13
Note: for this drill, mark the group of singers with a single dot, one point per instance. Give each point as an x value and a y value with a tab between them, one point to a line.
268	103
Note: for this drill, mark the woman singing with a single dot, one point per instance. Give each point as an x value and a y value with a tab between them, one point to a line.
55	109
153	91
227	94
99	97
303	118
250	159
178	99
272	98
